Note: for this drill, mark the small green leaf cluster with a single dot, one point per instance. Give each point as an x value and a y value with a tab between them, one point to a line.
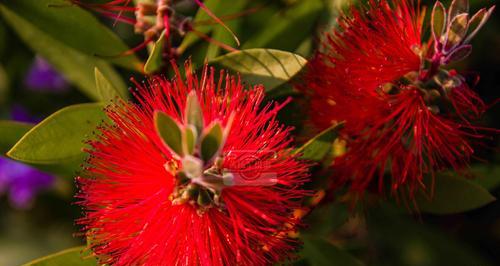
199	177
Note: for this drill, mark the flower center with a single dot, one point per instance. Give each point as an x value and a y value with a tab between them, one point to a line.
197	186
451	33
196	163
434	89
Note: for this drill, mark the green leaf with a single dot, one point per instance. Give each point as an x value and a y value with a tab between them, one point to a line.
438	20
459	53
487	176
76	66
193	112
458	7
189	139
457	30
268	67
67	169
155	59
74	27
211	141
59	138
106	90
77	256
477	22
221	34
320	252
325	219
11	132
191	38
169	131
318	147
453	194
287	30
306	48
410	241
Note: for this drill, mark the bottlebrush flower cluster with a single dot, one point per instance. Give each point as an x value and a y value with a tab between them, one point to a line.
196	173
405	115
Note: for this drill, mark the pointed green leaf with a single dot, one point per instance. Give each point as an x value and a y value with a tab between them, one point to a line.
11	132
169	131
78	256
306	48
438	20
416	242
319	146
220	33
268	67
155	59
211	142
320	252
189	139
193	112
66	169
59	137
287	29
457	30
76	66
453	194
73	27
487	175
459	53
477	22
106	90
458	7
201	15
324	219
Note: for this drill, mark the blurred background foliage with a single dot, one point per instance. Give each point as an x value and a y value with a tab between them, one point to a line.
376	234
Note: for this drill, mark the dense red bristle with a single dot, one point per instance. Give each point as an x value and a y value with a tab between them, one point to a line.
409	142
369	48
111	9
125	191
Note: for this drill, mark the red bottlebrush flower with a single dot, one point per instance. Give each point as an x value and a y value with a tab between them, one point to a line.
404	114
197	173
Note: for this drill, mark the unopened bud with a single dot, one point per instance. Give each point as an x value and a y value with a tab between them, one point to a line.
432	95
204	198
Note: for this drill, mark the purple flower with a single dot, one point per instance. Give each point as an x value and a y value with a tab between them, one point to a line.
22	182
21	114
42	77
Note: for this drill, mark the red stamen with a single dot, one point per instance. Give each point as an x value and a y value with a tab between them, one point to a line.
131	51
229	17
214	41
214	17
